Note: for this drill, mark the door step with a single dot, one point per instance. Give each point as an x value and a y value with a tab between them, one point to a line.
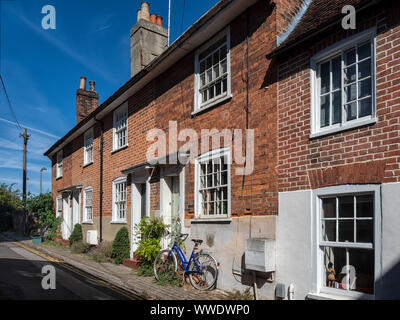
131	263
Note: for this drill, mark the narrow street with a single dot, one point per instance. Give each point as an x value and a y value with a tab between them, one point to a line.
21	278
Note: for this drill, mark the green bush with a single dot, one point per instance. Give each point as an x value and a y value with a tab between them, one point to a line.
103	252
120	247
76	234
42	210
10	202
5	221
149	232
80	247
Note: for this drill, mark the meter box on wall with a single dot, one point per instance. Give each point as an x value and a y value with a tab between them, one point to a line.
260	255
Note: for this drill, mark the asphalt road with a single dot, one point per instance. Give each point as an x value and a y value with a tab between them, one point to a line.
21	279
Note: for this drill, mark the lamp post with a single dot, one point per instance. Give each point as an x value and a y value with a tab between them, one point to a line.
41	170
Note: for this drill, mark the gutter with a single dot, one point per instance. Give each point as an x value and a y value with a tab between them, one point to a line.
317	31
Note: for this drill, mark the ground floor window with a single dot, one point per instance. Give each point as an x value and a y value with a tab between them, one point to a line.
59	206
347	228
119	200
88	205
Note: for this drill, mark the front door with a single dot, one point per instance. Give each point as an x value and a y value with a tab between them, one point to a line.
171	209
76	208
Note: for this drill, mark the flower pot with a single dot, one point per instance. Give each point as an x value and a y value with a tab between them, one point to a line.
37	240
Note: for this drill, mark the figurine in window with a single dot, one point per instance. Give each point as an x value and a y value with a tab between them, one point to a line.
331	275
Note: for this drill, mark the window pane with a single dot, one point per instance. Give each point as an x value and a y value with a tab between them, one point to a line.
351	111
223	52
334	260
223	67
202	79
211	92
337	107
337	73
224	85
346	230
364	51
218	88
325	105
216	57
216	71
351	92
365	206
362	279
208	62
346	207
328	230
209	75
350	57
365	231
364	88
329	208
365	107
350	74
325	77
364	69
202	66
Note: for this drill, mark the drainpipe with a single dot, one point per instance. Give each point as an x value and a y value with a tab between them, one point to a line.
101	176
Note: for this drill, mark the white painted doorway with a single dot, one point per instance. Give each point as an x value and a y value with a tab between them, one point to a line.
66	225
76	207
140	204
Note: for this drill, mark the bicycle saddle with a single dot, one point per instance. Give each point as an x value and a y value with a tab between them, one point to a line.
199	241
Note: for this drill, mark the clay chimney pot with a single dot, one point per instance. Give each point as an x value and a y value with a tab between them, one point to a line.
153	18
159	20
145	11
83	83
139	15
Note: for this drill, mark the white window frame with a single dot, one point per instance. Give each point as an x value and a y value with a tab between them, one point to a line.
115	218
89	135
85	217
205	158
121	109
325	55
198	106
318	284
59	164
59	209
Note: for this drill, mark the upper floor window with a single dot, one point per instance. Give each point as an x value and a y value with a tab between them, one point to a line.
119	200
88	205
213	184
59	165
120	127
212	69
88	147
348	247
344	85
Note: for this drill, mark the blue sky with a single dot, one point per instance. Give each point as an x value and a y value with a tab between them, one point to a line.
41	68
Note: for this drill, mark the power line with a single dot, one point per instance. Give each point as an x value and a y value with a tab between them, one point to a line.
9	103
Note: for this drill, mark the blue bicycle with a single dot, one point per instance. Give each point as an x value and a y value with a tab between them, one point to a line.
201	267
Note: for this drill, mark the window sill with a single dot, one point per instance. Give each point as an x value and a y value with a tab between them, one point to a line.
337	296
212	104
211	220
87	164
119	149
343	128
57	178
87	222
118	222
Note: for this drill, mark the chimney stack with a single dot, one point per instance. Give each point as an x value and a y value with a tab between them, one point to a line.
86	100
148	39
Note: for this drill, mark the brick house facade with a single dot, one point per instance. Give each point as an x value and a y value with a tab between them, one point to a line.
294	162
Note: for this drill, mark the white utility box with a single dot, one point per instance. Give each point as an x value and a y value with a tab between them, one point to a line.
91	237
260	254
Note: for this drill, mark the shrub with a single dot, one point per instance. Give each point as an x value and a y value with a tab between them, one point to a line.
120	247
10	203
102	253
5	221
76	234
149	232
80	247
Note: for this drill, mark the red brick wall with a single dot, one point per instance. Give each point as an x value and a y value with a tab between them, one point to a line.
300	157
170	97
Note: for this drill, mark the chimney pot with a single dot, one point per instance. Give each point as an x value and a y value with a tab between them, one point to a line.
159	21
139	15
92	85
83	83
145	14
153	18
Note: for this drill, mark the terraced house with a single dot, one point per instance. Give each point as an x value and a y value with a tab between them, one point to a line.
321	189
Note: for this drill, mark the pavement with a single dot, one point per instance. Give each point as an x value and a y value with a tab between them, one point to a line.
118	277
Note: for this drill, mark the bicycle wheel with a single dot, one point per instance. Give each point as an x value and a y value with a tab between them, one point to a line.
165	265
206	271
